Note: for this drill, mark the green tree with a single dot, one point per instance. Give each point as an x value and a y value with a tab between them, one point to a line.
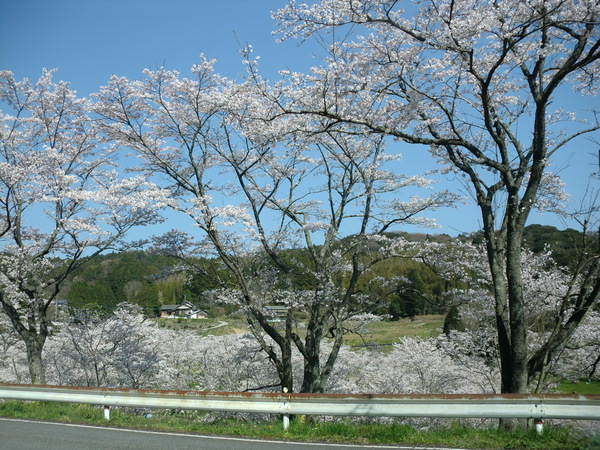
453	322
148	299
83	294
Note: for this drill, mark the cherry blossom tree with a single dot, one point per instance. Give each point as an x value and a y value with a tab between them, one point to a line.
124	349
13	360
412	366
61	199
257	190
581	356
232	363
560	326
93	348
477	82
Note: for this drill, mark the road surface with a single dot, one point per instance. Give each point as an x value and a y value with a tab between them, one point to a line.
17	434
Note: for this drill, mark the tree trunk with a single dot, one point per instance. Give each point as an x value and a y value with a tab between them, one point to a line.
34	340
518	325
311	382
517	370
495	249
504	258
287	372
34	345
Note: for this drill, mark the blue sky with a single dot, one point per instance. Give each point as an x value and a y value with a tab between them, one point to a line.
89	40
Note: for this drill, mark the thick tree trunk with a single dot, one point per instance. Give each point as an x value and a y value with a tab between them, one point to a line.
311	382
496	253
516	373
34	345
287	372
518	325
504	258
34	340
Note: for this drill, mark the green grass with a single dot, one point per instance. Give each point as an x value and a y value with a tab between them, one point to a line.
212	326
388	332
302	430
583	386
383	332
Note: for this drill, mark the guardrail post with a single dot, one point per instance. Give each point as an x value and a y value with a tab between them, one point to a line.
107	412
286	417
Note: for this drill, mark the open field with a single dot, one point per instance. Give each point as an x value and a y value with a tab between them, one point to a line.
388	332
582	387
213	326
381	333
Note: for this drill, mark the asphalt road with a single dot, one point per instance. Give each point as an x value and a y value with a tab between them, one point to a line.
18	434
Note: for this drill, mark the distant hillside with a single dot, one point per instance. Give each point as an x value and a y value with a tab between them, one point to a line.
152	280
564	244
134	276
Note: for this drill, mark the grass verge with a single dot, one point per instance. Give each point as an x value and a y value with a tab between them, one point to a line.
583	386
334	432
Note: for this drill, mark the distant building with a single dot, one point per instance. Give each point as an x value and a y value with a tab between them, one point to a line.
57	309
275	313
184	311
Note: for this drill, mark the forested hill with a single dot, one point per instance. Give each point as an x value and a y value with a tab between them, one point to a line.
152	280
133	276
564	244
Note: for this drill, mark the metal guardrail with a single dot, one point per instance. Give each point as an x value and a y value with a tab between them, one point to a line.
530	406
